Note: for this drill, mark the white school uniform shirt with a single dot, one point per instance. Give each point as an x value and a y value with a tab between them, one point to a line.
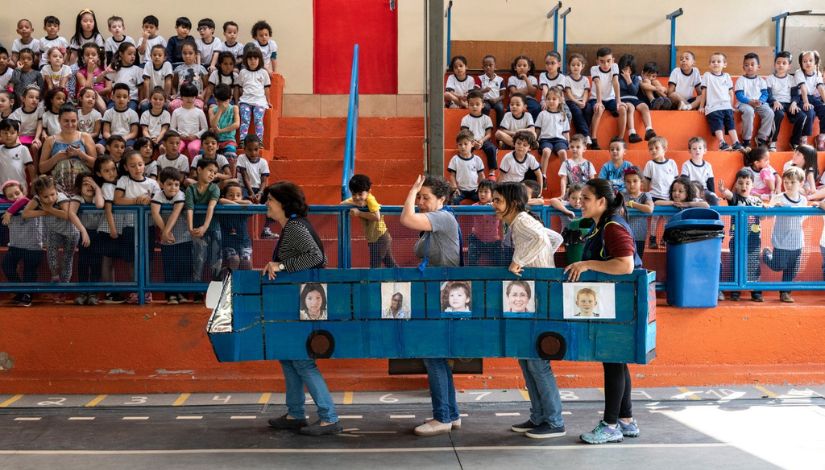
28	121
495	83
605	81
718	92
111	45
13	161
787	230
120	121
135	188
156	77
46	44
119	217
700	173
189	121
96	39
512	124
253	87
220	159
660	175
466	171
54	76
255	171
207	50
86	122
150	43
180	231
552	125
513	170
151	169
181	163
460	87
780	87
518	83
132	76
268	50
217	78
577	87
51	122
811	82
5	78
155	123
18	45
236	50
478	125
752	86
559	80
685	84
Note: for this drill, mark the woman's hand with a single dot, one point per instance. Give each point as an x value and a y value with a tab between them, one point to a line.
516	268
419	183
271	270
575	270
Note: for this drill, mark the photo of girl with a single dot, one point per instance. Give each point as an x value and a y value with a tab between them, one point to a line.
518	296
313	301
395	300
456	296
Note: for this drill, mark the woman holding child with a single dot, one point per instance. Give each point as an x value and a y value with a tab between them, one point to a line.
609	249
439	245
534	247
70	153
298	248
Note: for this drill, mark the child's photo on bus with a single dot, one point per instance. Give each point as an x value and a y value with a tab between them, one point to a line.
519	296
456	296
313	299
395	300
589	300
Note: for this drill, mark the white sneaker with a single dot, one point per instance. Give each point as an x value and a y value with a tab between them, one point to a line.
684	107
433	428
457	424
588	141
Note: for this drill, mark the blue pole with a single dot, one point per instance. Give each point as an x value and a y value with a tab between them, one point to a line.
554	12
564	40
449	29
672	17
776	19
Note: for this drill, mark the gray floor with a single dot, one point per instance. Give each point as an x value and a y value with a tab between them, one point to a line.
779	432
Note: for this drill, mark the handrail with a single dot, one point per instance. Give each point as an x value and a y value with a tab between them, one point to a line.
449	16
352	127
554	12
672	17
779	45
564	39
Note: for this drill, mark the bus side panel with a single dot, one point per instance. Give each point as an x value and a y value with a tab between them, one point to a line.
426	338
475	338
287	340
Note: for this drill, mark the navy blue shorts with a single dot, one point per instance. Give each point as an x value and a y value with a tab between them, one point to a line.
555	144
721	120
609	105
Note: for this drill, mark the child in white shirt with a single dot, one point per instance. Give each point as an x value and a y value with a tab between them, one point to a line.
752	95
466	169
492	86
683	82
517	119
717	102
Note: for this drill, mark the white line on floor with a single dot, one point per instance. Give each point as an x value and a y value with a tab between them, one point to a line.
375	432
350	417
189	417
135	418
27	418
508	414
402	416
567	413
463	415
243	417
81	418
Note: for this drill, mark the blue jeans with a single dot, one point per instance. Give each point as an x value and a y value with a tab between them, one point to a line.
305	372
581	117
545	401
442	390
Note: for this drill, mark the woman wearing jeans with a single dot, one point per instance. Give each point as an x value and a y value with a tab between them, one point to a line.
439	245
609	248
298	248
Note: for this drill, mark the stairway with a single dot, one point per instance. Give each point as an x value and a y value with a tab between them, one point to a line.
309	151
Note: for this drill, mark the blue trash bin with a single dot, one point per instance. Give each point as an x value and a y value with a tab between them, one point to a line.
694	251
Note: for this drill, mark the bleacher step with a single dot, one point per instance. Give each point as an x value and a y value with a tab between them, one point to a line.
297	147
336	127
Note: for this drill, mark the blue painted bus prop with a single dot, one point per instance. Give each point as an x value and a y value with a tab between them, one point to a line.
259	319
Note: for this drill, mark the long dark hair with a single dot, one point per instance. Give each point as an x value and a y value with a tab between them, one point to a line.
515	197
602	188
78	27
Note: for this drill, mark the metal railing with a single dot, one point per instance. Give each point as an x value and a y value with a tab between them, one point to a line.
554	13
449	15
672	18
564	39
352	127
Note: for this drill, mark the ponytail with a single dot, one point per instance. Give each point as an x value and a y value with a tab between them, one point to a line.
614	200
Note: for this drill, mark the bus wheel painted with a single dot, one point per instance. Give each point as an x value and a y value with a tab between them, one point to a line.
551	346
320	345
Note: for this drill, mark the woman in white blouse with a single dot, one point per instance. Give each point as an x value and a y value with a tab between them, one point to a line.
534	246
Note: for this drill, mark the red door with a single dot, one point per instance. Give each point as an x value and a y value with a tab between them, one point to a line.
339	24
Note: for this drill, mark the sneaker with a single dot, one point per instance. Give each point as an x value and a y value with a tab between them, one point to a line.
738	147
25	300
545	431
724	147
172	299
588	141
721	296
113	298
92	299
767	256
524	427
318	429
634	138
147	298
649	134
786	297
772	147
602	434
685	106
456	424
433	428
757	297
284	422
81	299
594	145
653	244
267	234
734	296
133	298
183	299
630	429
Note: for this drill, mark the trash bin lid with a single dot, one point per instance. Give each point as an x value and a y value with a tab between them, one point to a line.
695	218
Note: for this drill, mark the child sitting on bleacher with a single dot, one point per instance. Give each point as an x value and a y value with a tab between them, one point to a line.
804	157
522	81
717	102
517	165
614	170
466	169
576	170
741	196
758	162
577	96
553	78
636	199
606	94
683	83
652	92
368	210
682	195
459	83
493	88
788	236
553	129
780	85
697	168
811	94
485	232
629	90
752	95
659	173
516	120
482	129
